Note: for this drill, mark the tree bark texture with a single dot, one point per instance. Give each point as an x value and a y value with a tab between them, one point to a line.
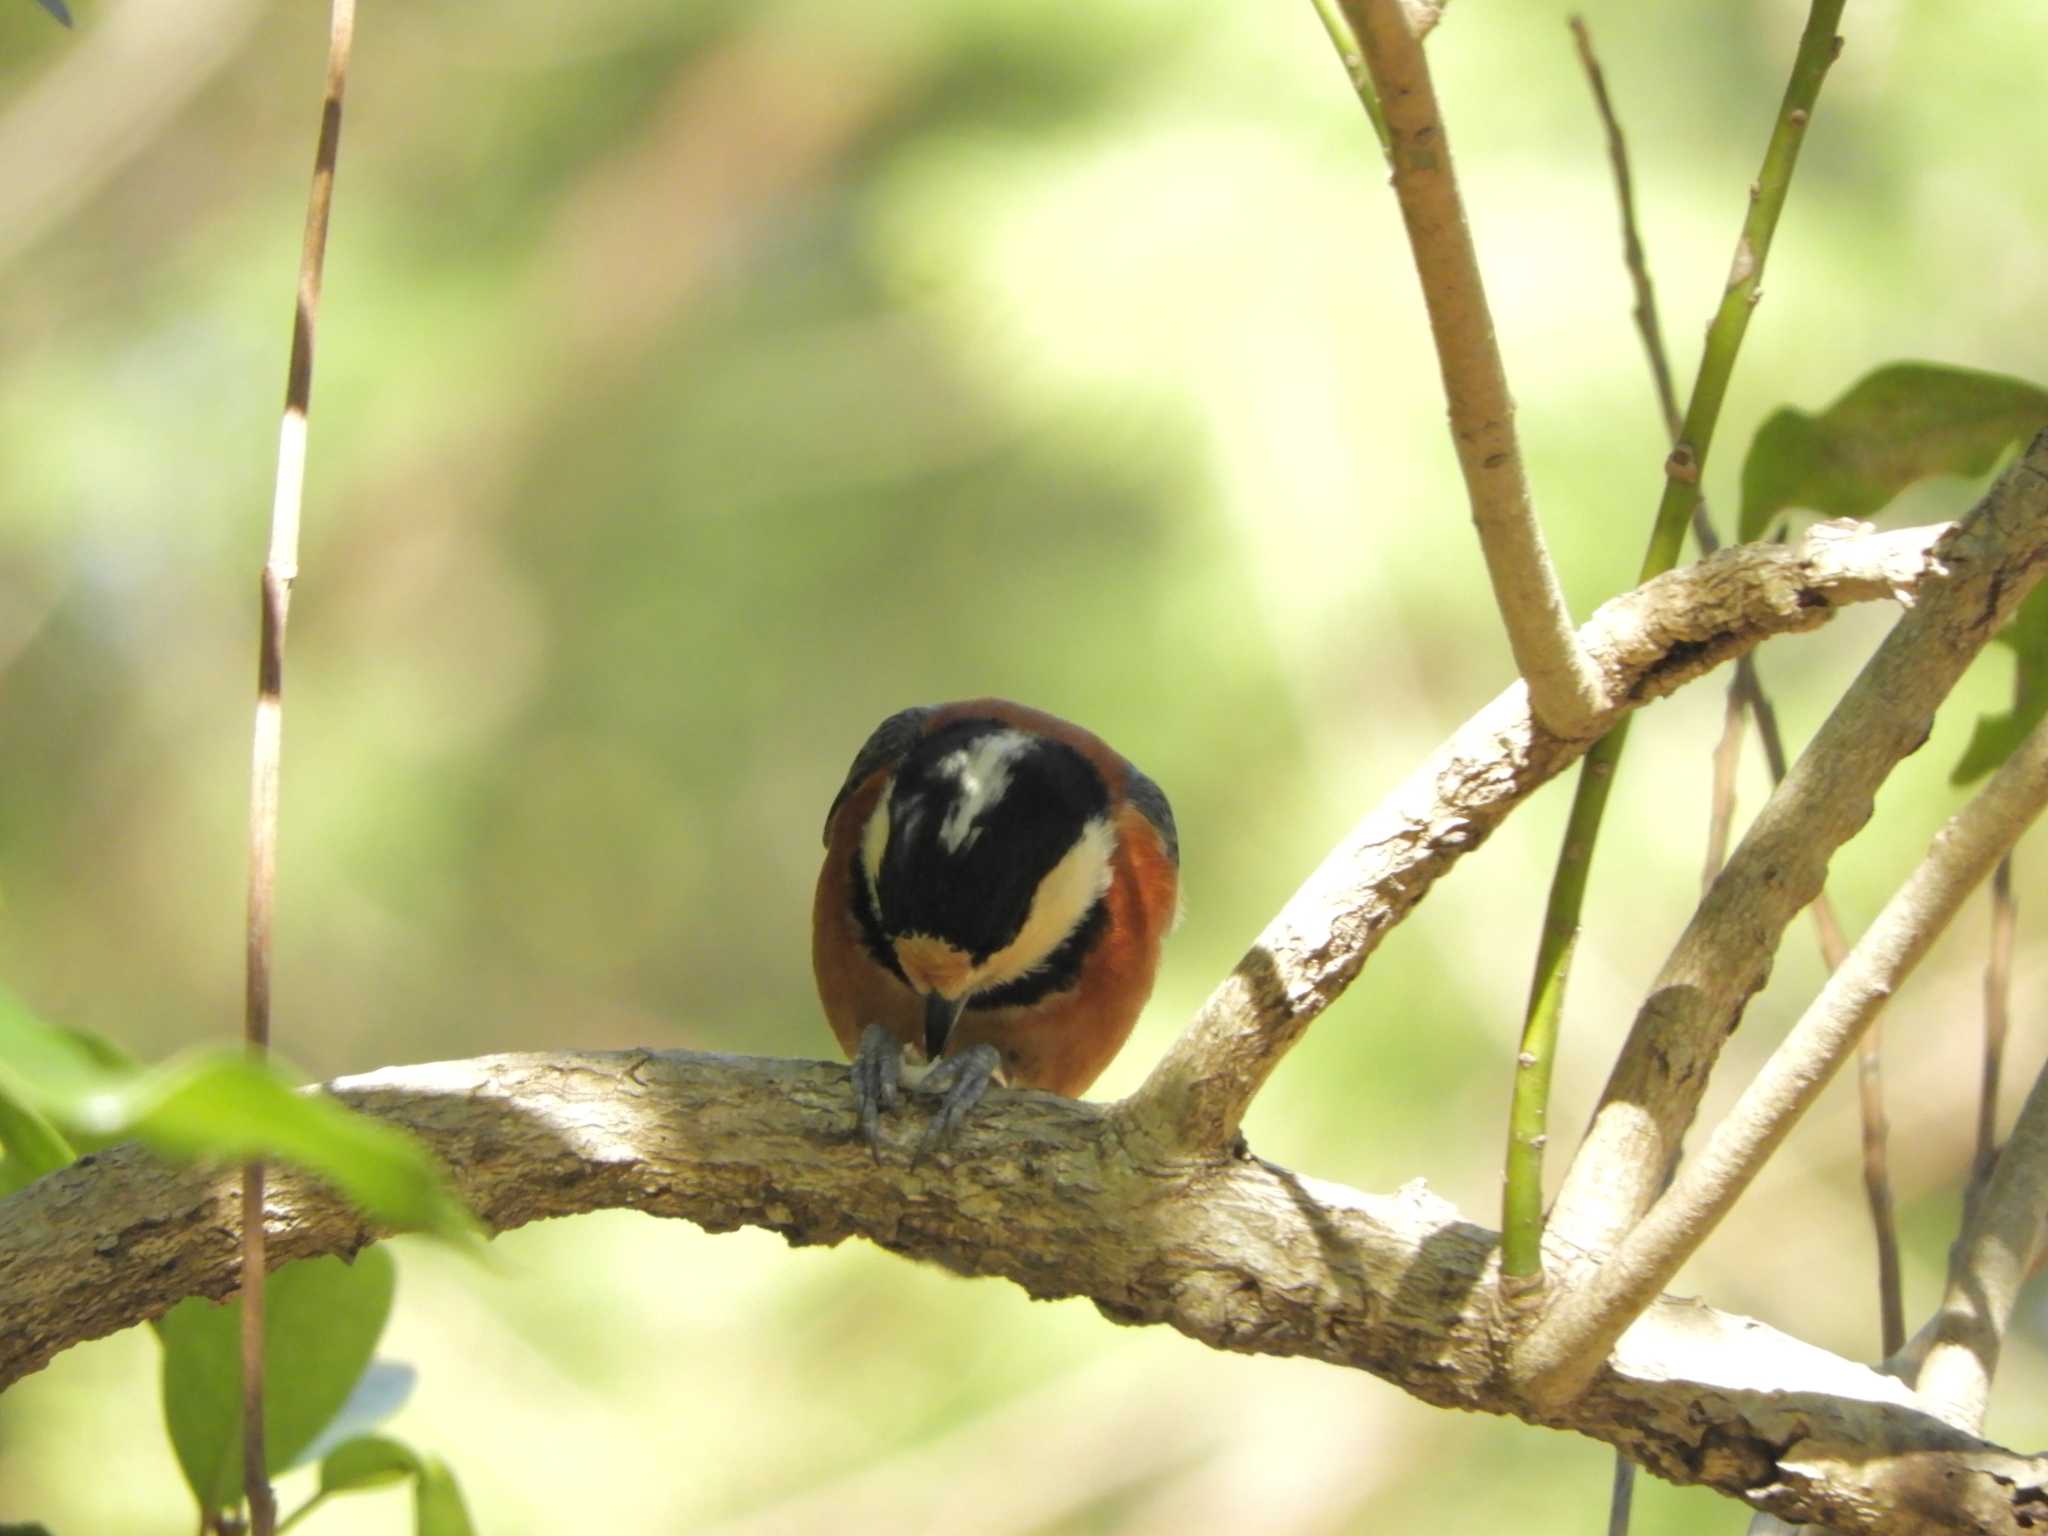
1233	1251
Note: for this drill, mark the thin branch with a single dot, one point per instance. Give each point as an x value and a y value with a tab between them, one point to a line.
1725	953
1647	642
1877	1190
1746	696
1592	1314
1423	15
1522	1198
1049	1193
1876	1129
2002	1240
1631	244
1997	1017
1621	1496
1818	46
280	569
1564	686
1331	13
1727	760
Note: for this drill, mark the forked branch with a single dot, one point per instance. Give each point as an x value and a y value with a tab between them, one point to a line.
1725	954
1234	1252
1647	643
1564	683
1590	1316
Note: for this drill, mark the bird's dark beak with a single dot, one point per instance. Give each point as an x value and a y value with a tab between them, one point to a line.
940	1015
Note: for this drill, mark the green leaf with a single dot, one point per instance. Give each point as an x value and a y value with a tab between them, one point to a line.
49	1067
1902	423
375	1461
30	1051
1997	735
437	1507
221	1105
217	1105
321	1322
368	1461
24	1530
33	1146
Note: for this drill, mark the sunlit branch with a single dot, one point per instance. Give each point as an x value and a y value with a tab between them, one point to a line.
1592	1314
1647	642
1564	686
1725	952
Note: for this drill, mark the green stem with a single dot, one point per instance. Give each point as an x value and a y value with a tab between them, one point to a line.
1522	1218
1345	41
1522	1199
301	1512
1817	49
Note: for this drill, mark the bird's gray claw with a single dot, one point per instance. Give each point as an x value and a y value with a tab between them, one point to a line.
877	1083
963	1079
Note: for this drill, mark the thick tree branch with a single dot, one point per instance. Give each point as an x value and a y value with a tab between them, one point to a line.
1725	954
1646	643
1589	1316
1141	1206
1564	683
1232	1251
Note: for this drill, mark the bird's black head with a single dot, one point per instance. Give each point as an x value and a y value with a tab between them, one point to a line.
992	842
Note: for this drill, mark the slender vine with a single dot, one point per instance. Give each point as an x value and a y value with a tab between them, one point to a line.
280	570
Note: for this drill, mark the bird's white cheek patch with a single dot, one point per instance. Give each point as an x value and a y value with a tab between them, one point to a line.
874	842
1064	897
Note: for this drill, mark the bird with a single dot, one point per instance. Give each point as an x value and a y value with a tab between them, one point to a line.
996	889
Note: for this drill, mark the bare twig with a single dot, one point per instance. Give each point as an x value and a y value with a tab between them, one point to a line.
1564	688
2002	1240
1521	1200
1631	244
1727	759
1877	1190
1621	1496
1818	46
1725	952
1997	1005
1592	1314
1234	1252
1728	754
280	569
1647	643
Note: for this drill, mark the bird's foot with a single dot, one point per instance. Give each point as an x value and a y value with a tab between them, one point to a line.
877	1083
962	1080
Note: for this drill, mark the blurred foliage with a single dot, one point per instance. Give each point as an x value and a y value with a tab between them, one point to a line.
66	1091
699	384
1998	735
1902	423
321	1321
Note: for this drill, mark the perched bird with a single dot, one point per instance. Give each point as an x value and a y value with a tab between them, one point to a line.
996	887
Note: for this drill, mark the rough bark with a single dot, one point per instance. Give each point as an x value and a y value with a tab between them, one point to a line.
1053	1195
1646	644
1150	1207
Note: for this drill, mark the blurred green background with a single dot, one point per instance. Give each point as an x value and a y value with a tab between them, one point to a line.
697	385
